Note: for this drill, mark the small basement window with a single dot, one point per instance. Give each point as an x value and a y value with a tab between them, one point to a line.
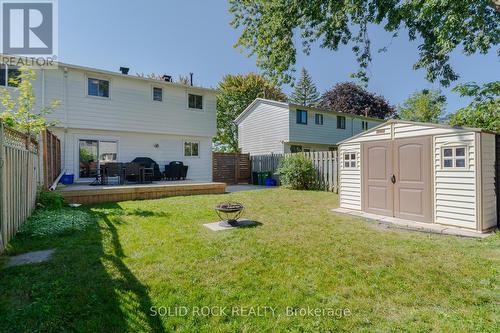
191	149
454	157
349	160
195	101
157	94
295	149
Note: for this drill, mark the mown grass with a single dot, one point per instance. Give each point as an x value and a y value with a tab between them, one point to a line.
144	254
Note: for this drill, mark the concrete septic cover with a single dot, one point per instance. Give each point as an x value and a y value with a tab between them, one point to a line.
242	223
30	258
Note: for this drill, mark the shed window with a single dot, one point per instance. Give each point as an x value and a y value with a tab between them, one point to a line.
349	160
454	157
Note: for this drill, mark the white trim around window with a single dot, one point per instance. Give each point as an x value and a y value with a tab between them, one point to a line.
454	157
101	78
202	101
153	94
349	160
188	148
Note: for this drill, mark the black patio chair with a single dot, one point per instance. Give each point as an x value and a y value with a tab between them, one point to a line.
132	172
113	169
175	170
152	169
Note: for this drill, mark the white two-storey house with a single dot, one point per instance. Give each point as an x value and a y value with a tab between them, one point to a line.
111	116
267	126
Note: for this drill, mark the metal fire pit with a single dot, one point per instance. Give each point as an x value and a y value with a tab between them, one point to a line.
229	213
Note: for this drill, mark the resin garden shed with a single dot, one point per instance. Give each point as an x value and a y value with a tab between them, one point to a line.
422	172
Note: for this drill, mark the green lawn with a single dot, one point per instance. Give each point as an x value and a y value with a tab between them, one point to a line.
146	256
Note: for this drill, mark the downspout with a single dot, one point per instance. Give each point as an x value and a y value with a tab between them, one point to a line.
65	97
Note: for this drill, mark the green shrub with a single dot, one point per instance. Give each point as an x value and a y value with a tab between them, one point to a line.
48	222
50	200
297	172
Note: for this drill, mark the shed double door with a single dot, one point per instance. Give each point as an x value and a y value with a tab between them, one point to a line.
397	178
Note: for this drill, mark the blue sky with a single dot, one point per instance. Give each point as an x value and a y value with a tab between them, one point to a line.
178	37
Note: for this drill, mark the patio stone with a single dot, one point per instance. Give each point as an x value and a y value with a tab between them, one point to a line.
242	223
30	258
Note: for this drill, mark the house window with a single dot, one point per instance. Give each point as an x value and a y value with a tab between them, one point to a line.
295	149
9	76
318	119
454	157
191	149
98	87
195	101
332	148
302	117
349	160
157	94
364	125
93	154
307	150
341	122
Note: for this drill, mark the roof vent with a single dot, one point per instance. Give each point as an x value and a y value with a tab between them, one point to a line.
167	78
124	70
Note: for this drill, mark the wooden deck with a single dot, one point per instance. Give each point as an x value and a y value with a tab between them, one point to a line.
86	194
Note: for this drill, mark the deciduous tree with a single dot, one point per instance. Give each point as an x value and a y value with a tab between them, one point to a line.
351	98
269	30
425	106
235	93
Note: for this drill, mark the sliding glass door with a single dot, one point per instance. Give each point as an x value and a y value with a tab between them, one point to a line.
94	153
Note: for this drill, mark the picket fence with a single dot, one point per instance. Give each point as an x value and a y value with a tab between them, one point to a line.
19	178
325	163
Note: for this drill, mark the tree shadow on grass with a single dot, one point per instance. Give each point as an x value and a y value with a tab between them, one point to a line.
86	286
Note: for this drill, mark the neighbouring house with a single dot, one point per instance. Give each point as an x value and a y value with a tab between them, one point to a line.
423	172
267	126
111	116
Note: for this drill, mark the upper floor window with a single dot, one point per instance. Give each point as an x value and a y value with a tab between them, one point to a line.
318	119
341	122
364	125
191	149
98	87
302	117
195	101
157	94
454	157
9	76
350	160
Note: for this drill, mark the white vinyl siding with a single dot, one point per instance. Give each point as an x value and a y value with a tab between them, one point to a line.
132	145
350	178
489	201
129	106
264	129
455	189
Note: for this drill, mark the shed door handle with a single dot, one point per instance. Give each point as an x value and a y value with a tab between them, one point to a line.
393	179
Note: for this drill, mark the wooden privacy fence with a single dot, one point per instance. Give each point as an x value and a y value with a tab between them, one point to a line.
325	163
51	150
231	168
18	181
